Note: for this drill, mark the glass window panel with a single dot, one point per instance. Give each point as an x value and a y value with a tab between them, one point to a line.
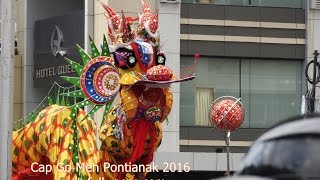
221	2
239	2
278	3
219	74
245	90
187	116
188	1
187	96
274	91
270	89
205	1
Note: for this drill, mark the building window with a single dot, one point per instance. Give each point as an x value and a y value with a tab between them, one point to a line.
277	3
270	89
205	1
204	98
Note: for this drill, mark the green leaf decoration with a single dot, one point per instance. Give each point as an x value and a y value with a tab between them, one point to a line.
75	156
58	97
82	104
76	66
77	93
75	98
84	56
74	113
31	117
73	80
92	111
50	101
105	47
95	109
62	102
94	51
67	102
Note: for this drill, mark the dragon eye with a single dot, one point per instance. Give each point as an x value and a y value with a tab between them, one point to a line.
131	59
124	58
161	60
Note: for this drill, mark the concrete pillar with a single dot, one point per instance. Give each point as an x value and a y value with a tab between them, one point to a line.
169	24
88	22
6	85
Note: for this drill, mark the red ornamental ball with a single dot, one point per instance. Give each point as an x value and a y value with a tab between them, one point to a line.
159	73
234	114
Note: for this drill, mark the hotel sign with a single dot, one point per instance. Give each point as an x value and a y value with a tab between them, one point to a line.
54	71
55	38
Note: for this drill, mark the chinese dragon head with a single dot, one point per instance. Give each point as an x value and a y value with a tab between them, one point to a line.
132	130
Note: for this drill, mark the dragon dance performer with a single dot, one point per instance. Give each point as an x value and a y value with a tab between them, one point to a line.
63	137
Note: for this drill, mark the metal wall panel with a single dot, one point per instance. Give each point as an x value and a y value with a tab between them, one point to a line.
242	49
209	133
206	11
283	15
242	13
242	31
279	50
207	48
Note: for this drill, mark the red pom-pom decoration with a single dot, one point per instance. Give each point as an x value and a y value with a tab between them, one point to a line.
231	110
196	55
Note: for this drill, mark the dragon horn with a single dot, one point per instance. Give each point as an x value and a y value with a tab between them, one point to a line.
152	25
145	7
110	11
113	16
124	25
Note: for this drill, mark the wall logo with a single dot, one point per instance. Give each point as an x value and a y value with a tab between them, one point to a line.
57	42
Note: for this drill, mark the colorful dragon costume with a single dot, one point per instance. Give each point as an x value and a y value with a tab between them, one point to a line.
64	137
